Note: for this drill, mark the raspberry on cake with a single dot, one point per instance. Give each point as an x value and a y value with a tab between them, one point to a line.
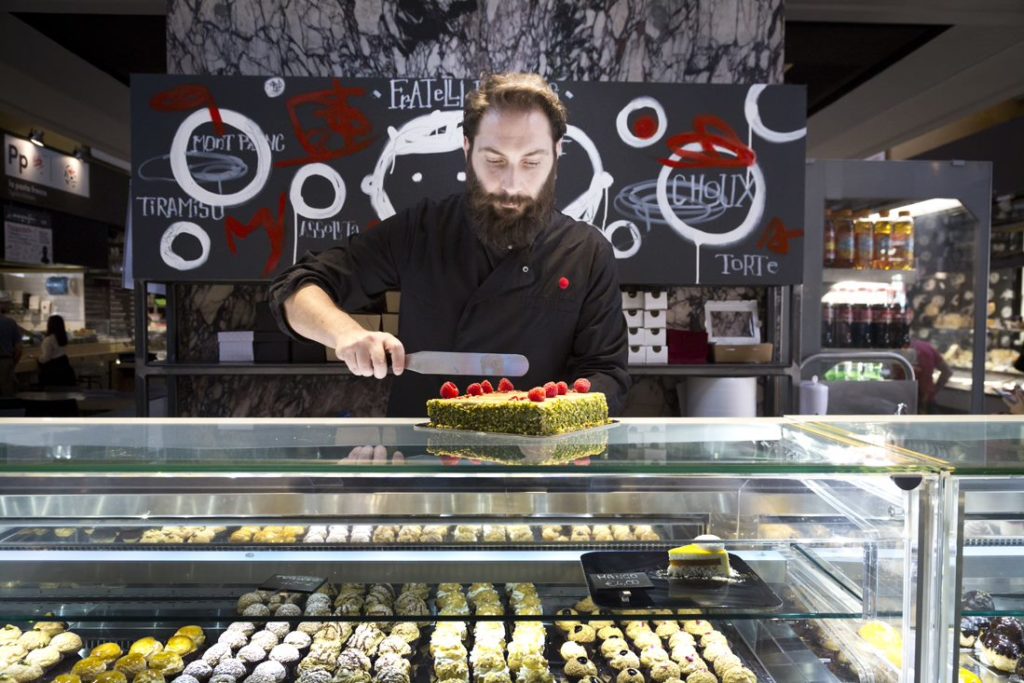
542	411
704	559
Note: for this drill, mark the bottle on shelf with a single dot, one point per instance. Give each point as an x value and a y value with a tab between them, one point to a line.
830	240
881	326
843	224
842	329
860	330
882	237
863	243
827	325
902	249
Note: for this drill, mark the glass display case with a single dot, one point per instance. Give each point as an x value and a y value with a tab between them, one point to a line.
983	574
383	551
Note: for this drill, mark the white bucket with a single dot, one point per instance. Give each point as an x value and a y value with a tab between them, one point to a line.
721	396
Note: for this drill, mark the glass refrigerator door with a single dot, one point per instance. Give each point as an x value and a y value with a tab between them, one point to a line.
902	249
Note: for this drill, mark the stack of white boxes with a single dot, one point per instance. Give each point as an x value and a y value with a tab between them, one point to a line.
646	315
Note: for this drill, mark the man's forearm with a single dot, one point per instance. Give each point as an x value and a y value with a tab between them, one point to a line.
312	313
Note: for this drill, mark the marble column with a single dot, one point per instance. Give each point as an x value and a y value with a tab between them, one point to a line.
680	41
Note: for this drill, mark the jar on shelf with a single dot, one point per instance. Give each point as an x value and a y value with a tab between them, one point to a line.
881	231
844	239
864	243
830	240
903	242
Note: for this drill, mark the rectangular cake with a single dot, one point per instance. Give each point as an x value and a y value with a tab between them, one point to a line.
705	559
513	412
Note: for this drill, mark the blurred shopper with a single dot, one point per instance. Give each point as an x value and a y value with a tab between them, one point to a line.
10	351
54	366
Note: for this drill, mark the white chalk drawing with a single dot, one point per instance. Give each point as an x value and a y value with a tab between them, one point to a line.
298	202
699	238
622	122
274	87
434	133
205	167
461	176
417	177
634	234
640	200
753	115
585	207
171	258
179	158
440	132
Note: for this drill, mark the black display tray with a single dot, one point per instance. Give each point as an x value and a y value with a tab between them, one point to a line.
746	591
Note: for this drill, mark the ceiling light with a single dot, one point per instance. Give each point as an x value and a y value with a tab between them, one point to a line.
80	153
922	208
36	137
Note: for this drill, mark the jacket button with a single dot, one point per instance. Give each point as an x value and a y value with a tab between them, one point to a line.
526	269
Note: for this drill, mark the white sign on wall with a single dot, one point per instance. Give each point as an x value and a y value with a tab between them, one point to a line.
28	237
26	162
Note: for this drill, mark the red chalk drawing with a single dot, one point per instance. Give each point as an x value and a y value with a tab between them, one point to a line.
776	237
327	125
187	98
263	220
720	147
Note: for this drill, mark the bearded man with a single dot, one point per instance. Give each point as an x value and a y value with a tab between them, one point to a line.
495	269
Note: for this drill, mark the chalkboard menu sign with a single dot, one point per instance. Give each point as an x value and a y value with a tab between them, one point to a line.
234	178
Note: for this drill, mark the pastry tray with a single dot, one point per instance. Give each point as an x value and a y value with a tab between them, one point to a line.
745	591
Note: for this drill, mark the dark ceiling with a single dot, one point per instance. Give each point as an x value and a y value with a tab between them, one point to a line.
831	59
119	44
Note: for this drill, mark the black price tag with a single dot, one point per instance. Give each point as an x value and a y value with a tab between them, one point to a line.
293	584
620	581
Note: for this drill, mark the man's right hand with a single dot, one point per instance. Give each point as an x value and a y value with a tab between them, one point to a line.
366	353
312	314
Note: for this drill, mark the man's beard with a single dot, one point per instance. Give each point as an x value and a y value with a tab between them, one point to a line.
499	227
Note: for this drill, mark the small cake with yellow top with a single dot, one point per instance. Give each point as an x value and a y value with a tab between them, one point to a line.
703	559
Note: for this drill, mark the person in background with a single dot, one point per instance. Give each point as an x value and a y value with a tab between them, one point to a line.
927	362
10	351
54	366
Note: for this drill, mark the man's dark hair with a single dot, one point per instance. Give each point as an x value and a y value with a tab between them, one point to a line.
517	92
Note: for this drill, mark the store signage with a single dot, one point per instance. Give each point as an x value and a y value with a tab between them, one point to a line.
234	178
30	168
620	581
28	236
293	584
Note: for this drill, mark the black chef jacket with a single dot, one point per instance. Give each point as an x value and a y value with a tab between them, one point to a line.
458	296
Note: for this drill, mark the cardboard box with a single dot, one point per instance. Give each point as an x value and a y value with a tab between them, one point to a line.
656	301
637	336
655	319
250	346
265	319
306	352
389	323
637	355
655	337
392	300
235	352
367	322
632	300
656	355
270	347
634	318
